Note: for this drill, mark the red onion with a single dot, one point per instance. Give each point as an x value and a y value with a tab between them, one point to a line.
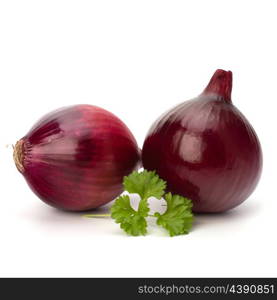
75	158
206	149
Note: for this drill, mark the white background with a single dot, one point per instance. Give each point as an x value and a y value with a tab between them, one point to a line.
136	59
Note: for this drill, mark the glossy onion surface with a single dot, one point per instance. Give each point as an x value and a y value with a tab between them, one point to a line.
75	158
206	149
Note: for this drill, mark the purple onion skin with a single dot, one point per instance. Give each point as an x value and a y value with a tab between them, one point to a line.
75	158
206	149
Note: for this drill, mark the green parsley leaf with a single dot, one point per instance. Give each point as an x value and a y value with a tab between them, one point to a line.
146	184
178	217
131	221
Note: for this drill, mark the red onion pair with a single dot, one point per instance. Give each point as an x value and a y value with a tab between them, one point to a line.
75	158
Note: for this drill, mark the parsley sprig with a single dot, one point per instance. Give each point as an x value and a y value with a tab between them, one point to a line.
177	219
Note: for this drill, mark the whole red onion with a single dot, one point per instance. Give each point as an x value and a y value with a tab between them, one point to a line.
206	149
75	158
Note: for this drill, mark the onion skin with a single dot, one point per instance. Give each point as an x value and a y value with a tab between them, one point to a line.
206	149
75	158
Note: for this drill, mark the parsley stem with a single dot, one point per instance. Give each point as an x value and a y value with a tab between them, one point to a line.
97	215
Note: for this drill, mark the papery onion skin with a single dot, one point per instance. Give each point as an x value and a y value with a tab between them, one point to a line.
206	149
75	157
